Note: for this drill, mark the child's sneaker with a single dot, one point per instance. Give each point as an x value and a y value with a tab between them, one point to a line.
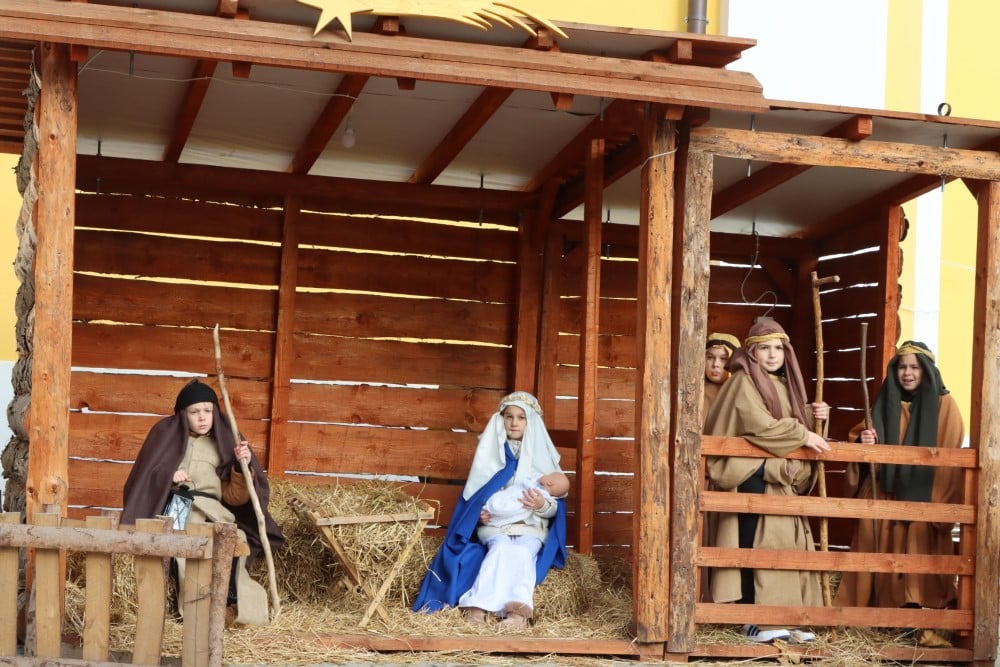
755	634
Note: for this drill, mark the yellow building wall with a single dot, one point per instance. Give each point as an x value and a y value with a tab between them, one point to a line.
10	207
969	27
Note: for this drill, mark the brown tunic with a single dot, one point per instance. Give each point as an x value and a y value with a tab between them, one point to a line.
740	410
863	589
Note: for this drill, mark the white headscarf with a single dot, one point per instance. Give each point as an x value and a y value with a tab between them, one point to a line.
538	455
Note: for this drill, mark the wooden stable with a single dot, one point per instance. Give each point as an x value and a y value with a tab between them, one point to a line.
370	326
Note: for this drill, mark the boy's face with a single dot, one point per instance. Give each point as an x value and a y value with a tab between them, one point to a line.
715	363
199	417
514	422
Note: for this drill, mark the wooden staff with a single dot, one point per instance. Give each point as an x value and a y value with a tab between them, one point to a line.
820	426
868	417
261	524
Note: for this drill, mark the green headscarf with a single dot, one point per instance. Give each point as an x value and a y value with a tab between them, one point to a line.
909	482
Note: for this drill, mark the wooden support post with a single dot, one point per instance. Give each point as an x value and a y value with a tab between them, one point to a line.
55	211
548	349
151	591
197	590
691	268
48	595
284	338
651	543
223	547
886	334
985	422
9	567
531	262
586	405
97	610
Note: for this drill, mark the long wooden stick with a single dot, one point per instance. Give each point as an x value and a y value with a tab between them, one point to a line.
868	418
261	524
820	426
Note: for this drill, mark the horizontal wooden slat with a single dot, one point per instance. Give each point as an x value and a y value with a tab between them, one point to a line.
319	357
856	508
396	274
144	255
831	561
319	448
954	457
850	302
611	382
244	353
615	418
119	437
394	406
612	351
854	269
408	236
373	315
136	301
835	616
166	215
617	316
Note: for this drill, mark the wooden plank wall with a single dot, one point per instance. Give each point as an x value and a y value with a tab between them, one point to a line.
401	344
400	351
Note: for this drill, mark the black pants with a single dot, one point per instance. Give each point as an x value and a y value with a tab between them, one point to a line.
747	529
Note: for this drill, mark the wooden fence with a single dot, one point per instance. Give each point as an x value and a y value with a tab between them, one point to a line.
961	564
208	548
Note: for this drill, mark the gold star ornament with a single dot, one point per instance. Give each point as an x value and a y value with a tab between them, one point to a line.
470	12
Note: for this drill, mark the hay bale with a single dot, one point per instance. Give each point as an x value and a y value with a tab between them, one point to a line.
570	591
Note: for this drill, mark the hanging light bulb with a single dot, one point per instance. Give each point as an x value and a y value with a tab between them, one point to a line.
348	139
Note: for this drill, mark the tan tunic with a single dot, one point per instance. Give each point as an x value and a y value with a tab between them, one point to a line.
863	589
711	393
201	459
740	410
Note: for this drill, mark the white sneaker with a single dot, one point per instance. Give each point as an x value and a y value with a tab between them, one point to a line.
755	634
801	636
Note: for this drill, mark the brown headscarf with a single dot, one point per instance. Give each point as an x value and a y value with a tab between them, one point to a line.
745	359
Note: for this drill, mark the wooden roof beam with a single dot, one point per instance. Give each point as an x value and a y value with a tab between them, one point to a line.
474	118
190	36
336	110
460	134
269	189
201	78
855	128
620	118
895	196
627	156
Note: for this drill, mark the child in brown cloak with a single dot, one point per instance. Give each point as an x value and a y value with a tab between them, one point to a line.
206	463
764	401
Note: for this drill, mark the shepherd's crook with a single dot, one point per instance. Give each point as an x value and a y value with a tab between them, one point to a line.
261	525
868	418
820	426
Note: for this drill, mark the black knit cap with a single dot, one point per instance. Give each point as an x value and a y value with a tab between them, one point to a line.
195	392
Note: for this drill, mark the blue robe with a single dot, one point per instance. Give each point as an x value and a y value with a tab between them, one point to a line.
456	564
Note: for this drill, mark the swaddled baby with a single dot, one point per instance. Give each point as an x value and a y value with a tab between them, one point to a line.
505	506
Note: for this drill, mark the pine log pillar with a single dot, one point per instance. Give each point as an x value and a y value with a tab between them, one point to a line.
55	171
651	543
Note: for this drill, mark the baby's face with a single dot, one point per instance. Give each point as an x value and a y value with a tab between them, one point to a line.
555	483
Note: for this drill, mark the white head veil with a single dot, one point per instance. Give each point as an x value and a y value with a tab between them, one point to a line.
538	455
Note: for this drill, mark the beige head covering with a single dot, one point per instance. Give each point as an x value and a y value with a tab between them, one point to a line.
723	340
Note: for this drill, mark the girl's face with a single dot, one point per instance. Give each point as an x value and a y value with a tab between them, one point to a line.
909	372
715	363
771	355
199	417
514	422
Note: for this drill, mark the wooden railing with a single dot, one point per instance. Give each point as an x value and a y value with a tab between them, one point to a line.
961	565
208	548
